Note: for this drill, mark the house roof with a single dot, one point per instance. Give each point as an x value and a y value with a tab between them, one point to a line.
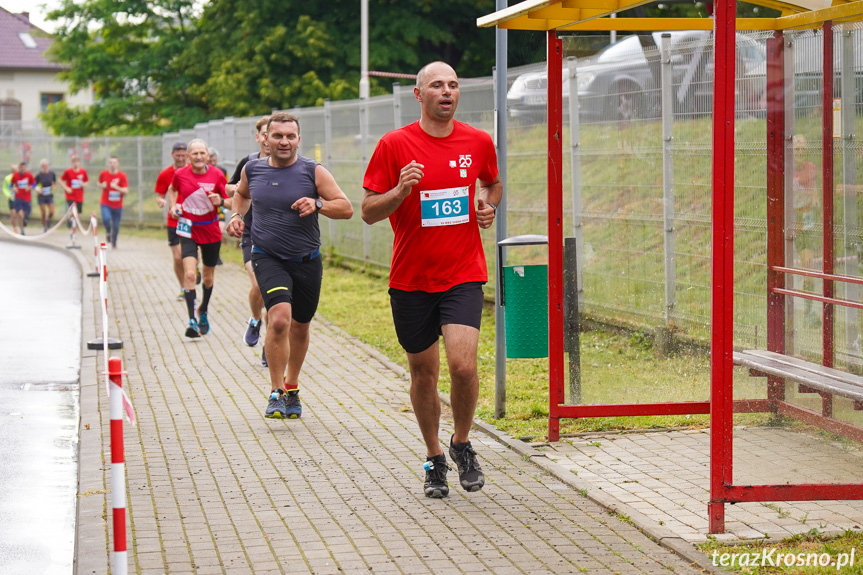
571	15
16	33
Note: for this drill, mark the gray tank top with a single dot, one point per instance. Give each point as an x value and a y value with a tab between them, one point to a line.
277	229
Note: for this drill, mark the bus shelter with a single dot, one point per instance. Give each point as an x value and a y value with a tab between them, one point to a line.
564	16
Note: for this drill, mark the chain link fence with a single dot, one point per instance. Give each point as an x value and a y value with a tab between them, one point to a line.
637	177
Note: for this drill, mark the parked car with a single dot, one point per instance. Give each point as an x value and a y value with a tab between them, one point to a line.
620	82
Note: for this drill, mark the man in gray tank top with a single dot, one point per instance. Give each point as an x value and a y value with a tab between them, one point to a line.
289	192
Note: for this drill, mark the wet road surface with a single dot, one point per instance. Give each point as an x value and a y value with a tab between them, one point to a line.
40	343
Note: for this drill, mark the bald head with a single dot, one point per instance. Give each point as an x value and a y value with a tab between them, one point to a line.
430	68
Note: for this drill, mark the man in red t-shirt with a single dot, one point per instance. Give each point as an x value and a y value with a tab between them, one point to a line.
195	196
114	186
423	178
74	181
22	182
163	182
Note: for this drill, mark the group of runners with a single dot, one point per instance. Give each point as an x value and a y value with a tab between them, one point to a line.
423	178
20	185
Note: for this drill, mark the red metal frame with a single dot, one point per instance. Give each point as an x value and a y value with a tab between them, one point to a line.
722	404
555	233
722	290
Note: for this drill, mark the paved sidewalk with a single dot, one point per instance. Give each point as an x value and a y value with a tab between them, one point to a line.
213	487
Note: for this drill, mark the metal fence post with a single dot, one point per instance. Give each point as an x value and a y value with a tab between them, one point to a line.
397	106
789	87
328	144
500	224
575	173
364	136
140	143
668	180
849	180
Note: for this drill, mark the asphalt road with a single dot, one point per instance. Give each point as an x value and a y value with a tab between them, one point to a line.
40	343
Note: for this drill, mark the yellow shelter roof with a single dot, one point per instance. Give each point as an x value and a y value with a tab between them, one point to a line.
573	15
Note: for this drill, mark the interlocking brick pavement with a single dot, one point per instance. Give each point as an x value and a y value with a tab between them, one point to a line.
213	487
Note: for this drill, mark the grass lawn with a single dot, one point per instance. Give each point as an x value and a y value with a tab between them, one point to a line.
615	368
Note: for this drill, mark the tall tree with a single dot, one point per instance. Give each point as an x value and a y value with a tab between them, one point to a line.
130	52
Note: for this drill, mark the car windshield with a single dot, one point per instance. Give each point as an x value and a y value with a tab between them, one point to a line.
626	49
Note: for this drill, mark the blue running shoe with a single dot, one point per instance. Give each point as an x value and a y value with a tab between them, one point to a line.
193	330
264	357
203	324
276	407
253	332
293	408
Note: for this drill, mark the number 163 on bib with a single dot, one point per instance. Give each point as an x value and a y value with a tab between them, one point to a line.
447	207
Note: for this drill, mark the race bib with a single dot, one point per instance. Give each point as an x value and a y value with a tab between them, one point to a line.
114	196
184	227
447	207
46	191
76	184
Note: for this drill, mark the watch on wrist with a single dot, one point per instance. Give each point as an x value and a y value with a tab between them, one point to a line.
494	207
318	205
221	202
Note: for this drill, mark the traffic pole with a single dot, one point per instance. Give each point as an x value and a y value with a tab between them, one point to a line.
118	466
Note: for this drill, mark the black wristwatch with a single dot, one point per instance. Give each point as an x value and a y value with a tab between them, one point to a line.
319	205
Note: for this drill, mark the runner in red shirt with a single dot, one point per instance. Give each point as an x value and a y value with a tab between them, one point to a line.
196	194
114	186
22	182
423	178
74	181
163	182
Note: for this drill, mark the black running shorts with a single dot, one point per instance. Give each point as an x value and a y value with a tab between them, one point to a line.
209	252
246	246
418	315
173	238
296	283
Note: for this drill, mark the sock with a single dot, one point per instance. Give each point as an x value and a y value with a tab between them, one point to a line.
289	387
191	295
208	291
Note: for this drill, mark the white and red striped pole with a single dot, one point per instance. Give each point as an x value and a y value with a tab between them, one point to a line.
118	467
94	226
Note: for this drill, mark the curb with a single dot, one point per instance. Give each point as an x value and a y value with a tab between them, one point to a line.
659	534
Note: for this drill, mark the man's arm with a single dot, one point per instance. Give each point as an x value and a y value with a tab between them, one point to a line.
336	204
489	193
241	201
377	207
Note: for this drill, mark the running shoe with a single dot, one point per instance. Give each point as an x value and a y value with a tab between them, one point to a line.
181	296
203	323
435	485
469	473
253	332
197	276
264	357
276	407
193	330
294	408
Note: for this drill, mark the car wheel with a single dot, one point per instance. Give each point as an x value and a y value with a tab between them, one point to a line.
624	103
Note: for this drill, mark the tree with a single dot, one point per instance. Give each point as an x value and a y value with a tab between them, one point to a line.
130	52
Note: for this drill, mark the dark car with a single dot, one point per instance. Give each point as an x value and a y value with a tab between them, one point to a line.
622	80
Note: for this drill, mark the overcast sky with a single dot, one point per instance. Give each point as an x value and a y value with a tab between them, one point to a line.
37	11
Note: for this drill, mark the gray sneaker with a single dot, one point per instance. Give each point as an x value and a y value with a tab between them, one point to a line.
469	472
277	406
435	485
293	407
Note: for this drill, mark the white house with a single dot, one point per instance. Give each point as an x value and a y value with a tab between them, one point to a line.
28	79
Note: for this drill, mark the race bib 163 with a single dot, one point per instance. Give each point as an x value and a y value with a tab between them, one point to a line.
447	207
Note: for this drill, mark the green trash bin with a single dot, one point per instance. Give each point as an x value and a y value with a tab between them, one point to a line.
524	295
